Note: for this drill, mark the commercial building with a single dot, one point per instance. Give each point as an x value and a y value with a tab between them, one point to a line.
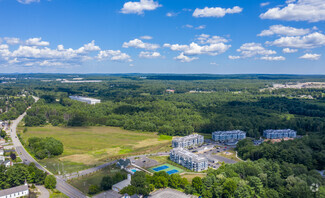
188	160
188	141
279	134
228	136
18	191
85	99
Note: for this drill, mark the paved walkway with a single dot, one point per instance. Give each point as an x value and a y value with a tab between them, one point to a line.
44	192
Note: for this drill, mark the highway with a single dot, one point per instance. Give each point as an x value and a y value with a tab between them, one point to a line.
61	185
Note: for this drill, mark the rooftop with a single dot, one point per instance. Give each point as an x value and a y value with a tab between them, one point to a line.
16	189
189	137
187	153
229	132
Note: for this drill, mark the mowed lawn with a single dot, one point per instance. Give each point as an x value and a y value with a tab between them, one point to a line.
92	145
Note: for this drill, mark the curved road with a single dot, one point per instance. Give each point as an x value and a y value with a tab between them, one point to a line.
61	185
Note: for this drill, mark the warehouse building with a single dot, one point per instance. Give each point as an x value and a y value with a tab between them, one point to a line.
188	160
18	191
85	99
188	141
279	134
228	136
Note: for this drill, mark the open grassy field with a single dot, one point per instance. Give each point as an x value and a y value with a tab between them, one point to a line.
190	176
88	146
83	183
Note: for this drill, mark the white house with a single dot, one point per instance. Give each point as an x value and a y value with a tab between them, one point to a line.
18	191
2	152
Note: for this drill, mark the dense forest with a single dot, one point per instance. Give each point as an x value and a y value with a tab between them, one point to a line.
263	178
308	150
11	107
17	174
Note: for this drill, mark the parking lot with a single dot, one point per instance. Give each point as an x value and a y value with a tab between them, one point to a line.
143	161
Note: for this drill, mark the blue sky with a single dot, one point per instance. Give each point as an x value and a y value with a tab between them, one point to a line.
162	36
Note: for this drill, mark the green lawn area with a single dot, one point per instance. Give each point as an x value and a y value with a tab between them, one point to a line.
170	167
83	183
89	146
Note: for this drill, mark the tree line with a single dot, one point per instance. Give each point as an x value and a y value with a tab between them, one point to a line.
262	178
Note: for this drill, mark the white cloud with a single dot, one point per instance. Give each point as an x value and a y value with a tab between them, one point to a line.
214	63
207	39
185	59
310	56
36	42
188	26
252	49
273	58
216	11
201	27
146	37
37	54
300	10
265	4
233	57
114	55
149	55
313	40
284	30
289	51
171	14
139	7
137	43
196	49
12	40
28	1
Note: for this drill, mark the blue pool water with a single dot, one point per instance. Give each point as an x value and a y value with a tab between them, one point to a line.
134	170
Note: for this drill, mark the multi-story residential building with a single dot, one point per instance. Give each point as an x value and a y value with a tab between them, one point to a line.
228	136
188	160
85	99
188	141
279	134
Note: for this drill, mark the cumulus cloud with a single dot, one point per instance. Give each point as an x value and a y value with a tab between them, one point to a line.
284	30
216	11
137	43
149	55
300	10
185	59
208	39
196	49
28	1
310	56
309	41
38	53
139	7
36	42
273	58
253	49
289	51
114	55
12	40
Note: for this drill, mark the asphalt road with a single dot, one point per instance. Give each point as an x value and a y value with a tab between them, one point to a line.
61	185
